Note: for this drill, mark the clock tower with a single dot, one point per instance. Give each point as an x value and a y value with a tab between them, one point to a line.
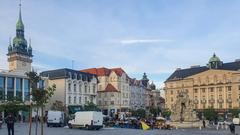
19	52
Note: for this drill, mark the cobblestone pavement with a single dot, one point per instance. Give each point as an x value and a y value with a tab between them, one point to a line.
22	129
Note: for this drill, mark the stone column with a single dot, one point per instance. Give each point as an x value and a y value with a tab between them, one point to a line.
23	90
14	86
6	79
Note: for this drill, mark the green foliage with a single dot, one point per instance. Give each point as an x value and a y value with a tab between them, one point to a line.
139	113
58	106
166	112
40	96
90	106
13	105
155	111
235	112
210	114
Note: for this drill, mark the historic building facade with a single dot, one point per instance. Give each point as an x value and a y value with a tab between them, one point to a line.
216	85
113	90
138	93
73	88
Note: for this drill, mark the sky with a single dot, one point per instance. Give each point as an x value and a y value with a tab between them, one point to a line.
152	36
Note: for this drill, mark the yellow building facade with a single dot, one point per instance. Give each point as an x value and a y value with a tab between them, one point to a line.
216	85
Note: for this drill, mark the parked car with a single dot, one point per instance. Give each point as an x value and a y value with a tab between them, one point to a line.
55	118
87	119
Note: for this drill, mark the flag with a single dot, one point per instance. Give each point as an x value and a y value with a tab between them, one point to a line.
144	126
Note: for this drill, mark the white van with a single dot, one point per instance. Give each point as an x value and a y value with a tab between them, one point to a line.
236	121
55	118
87	120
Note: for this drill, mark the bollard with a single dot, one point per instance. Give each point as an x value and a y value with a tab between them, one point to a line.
200	128
176	127
217	127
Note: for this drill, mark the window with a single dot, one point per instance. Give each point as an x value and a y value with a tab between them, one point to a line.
19	87
171	92
204	106
112	94
69	86
75	100
94	88
229	88
74	87
85	88
196	90
211	89
203	90
85	100
230	105
80	88
99	102
89	89
26	89
80	100
2	87
220	106
100	87
171	99
10	87
112	102
69	100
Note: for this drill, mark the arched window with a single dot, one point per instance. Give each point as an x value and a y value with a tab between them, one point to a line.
69	100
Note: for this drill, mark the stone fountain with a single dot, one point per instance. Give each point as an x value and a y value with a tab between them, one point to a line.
183	114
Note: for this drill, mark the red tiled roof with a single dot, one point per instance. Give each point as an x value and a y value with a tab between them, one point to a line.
110	88
104	71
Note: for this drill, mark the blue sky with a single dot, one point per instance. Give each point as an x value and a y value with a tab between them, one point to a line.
152	36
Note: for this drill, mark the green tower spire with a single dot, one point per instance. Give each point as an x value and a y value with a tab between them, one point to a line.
19	44
19	24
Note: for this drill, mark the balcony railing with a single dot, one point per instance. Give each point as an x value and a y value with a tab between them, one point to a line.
195	101
220	100
229	100
211	101
203	101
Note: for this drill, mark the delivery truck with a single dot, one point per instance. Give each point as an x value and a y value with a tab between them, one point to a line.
90	120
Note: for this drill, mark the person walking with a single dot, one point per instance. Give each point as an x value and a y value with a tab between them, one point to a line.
232	128
10	123
204	123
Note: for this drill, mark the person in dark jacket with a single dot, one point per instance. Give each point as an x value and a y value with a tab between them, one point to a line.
204	124
10	123
232	128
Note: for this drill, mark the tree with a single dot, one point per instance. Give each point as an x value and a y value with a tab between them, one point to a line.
90	106
12	105
235	112
40	96
155	111
210	114
166	112
58	106
139	113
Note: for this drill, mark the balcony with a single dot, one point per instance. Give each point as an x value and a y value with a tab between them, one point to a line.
220	100
203	101
195	101
229	100
211	101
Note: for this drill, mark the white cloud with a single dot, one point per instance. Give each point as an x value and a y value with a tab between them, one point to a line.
143	41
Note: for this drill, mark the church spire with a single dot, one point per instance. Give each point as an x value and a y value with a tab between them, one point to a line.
19	24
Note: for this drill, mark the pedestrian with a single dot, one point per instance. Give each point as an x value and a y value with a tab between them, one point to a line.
10	123
232	128
204	123
1	121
